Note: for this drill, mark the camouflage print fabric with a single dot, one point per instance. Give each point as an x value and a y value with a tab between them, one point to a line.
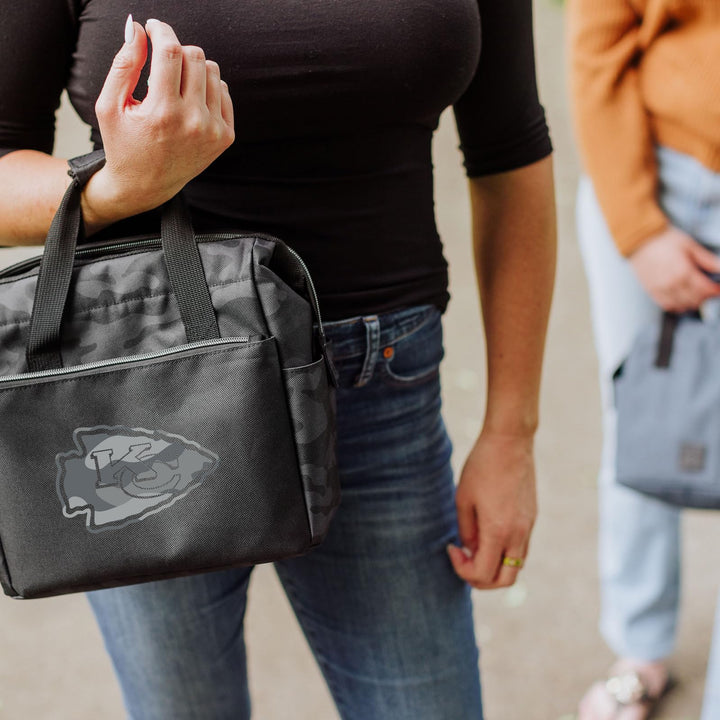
123	306
312	409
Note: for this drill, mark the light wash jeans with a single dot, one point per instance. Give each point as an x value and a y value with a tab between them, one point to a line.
639	543
387	619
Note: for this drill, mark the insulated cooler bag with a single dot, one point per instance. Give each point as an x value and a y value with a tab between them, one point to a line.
166	406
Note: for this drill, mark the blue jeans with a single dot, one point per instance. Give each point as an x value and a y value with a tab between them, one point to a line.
387	619
639	545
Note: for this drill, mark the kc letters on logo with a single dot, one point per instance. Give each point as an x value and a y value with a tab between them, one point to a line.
119	475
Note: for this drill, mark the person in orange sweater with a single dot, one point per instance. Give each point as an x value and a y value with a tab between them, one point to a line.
645	89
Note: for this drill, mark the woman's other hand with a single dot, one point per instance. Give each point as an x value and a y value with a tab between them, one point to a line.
154	147
497	506
672	268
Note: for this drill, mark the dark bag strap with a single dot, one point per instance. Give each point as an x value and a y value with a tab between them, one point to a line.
187	277
670	322
185	269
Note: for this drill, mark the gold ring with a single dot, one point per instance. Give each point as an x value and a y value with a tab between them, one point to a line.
513	562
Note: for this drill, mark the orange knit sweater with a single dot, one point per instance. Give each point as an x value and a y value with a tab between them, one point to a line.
642	72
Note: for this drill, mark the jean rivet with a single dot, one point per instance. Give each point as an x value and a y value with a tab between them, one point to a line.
388	352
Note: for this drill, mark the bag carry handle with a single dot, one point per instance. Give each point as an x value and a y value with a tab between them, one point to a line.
182	258
669	325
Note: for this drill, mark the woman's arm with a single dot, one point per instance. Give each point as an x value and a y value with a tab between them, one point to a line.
617	147
514	234
153	147
614	136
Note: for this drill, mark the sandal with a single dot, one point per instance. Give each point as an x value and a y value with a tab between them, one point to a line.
621	691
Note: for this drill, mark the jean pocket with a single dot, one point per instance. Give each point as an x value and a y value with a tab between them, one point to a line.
414	358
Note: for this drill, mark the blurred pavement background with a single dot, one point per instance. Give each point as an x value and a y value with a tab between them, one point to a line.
540	648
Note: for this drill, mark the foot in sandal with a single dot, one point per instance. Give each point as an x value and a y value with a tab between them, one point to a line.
632	691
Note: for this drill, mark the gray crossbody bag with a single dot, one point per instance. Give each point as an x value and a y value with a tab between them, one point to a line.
167	406
667	395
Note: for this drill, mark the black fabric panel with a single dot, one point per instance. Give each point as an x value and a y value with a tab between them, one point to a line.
248	508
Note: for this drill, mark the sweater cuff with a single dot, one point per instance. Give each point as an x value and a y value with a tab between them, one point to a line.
631	239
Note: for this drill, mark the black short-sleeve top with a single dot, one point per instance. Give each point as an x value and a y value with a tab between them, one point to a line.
335	105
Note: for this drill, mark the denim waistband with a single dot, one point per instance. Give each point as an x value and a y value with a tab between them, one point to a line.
353	336
359	343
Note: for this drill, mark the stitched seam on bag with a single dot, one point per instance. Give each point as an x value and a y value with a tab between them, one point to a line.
132	369
298	463
7	568
137	298
253	277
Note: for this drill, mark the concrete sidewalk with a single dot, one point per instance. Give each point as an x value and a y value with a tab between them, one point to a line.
540	647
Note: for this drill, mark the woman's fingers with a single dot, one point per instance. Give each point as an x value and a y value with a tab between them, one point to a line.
512	562
704	258
154	147
124	74
194	74
487	560
213	90
226	108
467	522
482	569
166	66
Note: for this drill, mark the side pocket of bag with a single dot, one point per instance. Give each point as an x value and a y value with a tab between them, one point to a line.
311	400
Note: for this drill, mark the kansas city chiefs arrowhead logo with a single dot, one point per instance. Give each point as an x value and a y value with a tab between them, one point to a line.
119	475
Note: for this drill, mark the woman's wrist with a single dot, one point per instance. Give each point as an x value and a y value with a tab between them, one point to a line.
105	201
511	424
101	203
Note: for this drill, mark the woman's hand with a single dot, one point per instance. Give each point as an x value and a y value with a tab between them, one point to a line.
671	265
496	505
154	147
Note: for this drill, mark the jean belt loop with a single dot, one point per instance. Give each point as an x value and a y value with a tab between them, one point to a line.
372	334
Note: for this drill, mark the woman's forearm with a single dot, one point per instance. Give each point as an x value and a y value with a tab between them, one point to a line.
32	184
514	230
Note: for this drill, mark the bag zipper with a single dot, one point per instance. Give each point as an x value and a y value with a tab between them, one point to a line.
42	374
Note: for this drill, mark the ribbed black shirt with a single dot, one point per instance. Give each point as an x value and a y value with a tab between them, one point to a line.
335	107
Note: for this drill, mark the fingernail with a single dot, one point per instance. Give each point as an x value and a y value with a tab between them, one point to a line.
151	20
129	30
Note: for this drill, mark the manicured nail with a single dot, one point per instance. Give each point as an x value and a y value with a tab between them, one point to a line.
151	21
129	30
